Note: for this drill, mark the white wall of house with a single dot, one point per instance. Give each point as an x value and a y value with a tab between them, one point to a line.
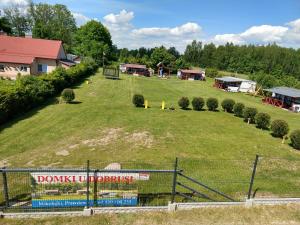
11	70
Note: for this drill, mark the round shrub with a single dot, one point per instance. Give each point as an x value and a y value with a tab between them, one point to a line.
238	109
227	105
249	114
279	128
295	139
184	102
262	120
212	104
198	103
68	95
138	100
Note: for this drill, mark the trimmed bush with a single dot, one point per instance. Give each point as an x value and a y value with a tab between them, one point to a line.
138	100
198	103
227	105
212	104
68	95
184	102
249	114
295	139
238	109
279	128
263	120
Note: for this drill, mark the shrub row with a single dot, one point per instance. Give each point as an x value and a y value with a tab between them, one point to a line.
279	128
30	91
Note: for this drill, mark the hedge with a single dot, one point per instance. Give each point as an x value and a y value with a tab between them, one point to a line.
27	92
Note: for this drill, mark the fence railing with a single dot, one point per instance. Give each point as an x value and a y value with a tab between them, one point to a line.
147	184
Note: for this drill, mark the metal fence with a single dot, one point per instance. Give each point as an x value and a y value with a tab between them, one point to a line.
147	184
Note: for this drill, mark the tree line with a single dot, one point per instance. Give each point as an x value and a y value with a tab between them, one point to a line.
270	65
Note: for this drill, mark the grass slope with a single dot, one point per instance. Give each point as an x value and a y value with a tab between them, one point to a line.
105	127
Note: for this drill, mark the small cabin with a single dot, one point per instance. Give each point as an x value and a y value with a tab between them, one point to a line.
163	70
234	84
191	74
283	97
135	69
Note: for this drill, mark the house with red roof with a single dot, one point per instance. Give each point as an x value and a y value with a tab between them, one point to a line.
24	56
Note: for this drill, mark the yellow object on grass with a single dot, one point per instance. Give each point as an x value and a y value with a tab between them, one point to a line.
146	104
163	105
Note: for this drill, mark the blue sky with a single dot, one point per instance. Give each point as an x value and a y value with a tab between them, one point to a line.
151	22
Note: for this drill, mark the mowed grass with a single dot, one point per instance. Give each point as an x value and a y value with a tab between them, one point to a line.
289	214
104	127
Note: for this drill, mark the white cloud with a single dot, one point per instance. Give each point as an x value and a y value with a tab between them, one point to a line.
123	17
231	38
188	28
80	18
264	33
13	2
125	35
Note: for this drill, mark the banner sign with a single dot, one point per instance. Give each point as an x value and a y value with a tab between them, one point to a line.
64	189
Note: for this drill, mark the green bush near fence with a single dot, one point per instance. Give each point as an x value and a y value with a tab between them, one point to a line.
212	104
138	100
263	120
238	109
30	91
279	128
249	114
184	102
68	95
198	103
227	105
295	139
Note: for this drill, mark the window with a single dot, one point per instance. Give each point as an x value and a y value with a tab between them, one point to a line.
23	68
42	68
1	68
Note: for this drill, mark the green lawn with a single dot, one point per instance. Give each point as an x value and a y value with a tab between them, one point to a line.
105	127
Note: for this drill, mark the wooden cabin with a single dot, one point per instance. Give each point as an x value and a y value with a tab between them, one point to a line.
163	70
191	75
234	84
283	97
136	69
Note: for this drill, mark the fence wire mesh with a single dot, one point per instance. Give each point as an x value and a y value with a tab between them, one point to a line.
146	184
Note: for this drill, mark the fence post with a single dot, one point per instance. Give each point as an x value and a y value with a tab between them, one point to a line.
88	184
253	176
174	180
95	188
5	187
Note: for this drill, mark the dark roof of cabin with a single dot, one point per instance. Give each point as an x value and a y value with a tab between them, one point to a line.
286	91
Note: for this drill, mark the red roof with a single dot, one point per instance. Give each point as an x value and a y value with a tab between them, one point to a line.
24	50
192	71
137	66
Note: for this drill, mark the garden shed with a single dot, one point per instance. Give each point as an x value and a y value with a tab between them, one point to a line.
284	97
166	71
191	75
135	69
234	84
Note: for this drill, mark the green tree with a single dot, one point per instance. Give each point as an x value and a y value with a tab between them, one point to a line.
193	53
93	40
54	22
5	25
162	55
18	21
